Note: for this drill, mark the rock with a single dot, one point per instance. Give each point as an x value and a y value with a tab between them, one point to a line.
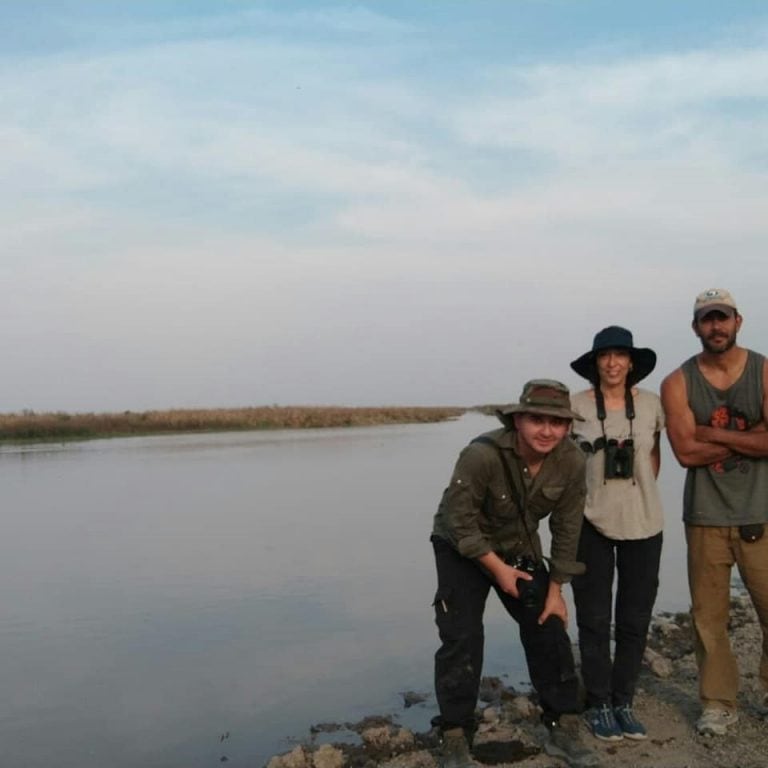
491	715
421	759
297	758
520	708
371	721
667	628
325	727
402	740
660	666
741	603
490	690
378	737
413	697
328	756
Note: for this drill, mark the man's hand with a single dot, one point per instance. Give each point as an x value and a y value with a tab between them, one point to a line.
554	605
507	576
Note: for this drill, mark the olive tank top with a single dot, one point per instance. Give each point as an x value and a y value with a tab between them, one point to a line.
733	491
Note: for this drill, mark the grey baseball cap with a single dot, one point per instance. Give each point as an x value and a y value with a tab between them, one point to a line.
713	299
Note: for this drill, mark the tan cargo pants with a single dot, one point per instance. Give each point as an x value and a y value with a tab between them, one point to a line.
712	552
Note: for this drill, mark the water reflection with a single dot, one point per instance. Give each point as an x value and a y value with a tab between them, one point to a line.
158	592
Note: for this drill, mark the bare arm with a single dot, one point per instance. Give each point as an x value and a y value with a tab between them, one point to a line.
753	442
656	455
690	448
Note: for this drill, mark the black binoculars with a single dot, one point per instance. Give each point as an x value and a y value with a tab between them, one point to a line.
619	459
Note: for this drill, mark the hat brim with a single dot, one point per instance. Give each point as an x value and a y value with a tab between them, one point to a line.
541	410
643	362
726	309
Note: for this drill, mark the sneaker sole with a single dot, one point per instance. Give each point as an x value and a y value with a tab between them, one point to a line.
635	736
717	730
617	737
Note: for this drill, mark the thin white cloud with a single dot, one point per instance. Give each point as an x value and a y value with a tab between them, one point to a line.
669	105
281	208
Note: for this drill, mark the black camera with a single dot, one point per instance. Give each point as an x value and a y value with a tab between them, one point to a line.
619	459
529	593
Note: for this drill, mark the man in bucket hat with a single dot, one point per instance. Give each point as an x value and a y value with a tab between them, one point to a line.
485	536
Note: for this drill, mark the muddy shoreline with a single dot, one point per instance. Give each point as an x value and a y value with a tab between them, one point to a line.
666	702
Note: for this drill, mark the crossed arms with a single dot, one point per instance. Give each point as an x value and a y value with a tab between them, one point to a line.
696	445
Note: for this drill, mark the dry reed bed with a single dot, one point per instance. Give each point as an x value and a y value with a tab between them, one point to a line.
31	426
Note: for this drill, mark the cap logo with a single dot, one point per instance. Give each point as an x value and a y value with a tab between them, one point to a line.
713	299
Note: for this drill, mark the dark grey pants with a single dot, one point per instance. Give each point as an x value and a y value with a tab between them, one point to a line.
462	589
637	564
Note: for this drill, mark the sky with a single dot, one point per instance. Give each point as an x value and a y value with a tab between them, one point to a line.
231	203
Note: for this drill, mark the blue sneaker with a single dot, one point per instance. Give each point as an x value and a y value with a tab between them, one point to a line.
602	723
631	727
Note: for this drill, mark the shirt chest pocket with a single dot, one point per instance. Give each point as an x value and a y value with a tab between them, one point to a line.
547	497
499	503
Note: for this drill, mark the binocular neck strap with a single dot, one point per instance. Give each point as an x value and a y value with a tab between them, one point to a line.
629	408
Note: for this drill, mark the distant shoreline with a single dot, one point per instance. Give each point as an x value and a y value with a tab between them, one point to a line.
33	427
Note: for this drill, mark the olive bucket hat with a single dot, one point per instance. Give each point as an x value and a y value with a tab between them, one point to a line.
616	337
545	397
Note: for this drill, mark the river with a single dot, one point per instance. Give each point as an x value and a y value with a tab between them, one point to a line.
170	601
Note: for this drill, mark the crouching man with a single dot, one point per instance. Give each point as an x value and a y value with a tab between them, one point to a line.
485	536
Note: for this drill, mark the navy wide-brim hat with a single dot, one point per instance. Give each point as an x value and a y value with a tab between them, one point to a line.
616	337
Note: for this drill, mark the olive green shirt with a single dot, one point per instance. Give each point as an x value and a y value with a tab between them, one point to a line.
477	514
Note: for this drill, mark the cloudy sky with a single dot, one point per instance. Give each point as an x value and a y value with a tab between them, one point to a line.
229	202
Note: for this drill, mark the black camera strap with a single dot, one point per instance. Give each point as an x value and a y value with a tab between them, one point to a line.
517	490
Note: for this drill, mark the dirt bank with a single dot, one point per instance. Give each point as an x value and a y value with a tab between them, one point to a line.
666	702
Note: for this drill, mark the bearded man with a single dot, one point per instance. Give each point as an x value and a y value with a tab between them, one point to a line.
716	407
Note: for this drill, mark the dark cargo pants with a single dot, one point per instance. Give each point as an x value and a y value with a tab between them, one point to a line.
462	589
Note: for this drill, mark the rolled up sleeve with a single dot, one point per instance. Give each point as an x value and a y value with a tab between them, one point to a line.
565	523
463	501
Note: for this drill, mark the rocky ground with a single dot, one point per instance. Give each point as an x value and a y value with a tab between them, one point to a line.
666	703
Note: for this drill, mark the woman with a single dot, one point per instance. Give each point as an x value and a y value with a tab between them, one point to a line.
623	521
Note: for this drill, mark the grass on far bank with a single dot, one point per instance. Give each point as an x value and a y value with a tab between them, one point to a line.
29	426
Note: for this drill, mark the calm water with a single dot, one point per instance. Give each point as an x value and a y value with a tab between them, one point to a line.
159	592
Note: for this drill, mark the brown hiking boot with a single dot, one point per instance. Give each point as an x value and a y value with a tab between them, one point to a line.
559	742
454	750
